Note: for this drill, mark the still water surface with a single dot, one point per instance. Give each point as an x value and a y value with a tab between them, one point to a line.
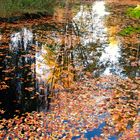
87	39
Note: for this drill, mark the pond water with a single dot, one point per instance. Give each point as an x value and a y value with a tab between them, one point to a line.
29	55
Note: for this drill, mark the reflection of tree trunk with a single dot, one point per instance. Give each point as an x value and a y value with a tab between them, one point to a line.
33	62
23	99
48	97
60	57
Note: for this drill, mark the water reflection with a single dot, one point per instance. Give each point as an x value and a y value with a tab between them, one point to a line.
32	53
92	21
110	57
16	38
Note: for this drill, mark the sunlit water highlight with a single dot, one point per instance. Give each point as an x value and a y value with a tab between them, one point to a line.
16	39
93	23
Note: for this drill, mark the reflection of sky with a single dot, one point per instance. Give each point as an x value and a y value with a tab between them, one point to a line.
93	23
23	38
111	55
16	39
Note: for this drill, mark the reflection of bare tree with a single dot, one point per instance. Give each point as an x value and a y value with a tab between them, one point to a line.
18	73
68	51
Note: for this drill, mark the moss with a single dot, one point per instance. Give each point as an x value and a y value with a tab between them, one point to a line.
129	30
134	12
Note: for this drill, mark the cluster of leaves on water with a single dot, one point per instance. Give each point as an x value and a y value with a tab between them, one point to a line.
70	115
124	107
76	112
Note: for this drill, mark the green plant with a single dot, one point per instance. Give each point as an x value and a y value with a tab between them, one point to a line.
129	30
134	12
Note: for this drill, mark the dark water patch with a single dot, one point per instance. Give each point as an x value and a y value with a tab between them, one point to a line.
26	16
